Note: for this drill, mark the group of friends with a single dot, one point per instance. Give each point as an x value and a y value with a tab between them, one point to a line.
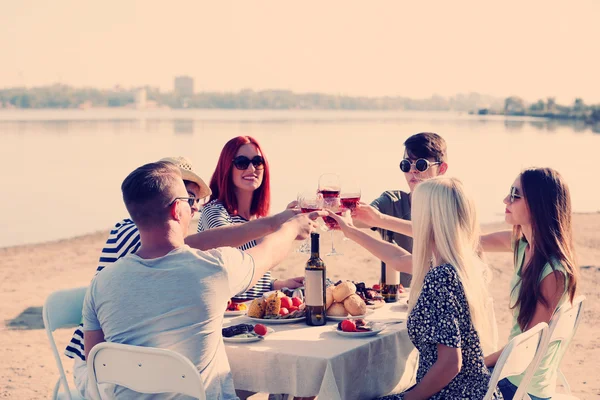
158	285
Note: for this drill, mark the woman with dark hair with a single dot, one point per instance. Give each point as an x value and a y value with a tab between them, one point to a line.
545	273
539	209
241	192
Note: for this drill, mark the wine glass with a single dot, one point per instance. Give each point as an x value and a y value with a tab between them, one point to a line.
329	188
309	201
350	196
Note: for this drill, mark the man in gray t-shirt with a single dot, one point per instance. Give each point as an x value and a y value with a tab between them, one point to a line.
170	296
425	157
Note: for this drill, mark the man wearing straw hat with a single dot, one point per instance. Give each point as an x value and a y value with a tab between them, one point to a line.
124	239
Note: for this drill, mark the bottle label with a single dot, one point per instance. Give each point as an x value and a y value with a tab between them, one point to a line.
313	288
392	277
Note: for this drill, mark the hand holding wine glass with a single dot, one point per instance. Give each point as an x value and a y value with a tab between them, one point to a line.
343	220
350	194
367	214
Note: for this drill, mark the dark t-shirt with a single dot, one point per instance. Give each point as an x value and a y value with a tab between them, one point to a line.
396	203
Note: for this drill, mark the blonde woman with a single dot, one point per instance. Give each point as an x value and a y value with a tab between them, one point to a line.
447	319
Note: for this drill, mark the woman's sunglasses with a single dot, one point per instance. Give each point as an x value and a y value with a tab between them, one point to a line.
421	165
243	162
513	195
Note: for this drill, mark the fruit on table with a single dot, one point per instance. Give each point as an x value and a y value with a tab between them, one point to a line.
237	330
348	326
283	311
260	329
286	302
296	301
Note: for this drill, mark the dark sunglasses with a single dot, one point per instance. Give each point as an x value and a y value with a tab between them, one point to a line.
190	200
243	162
513	195
421	165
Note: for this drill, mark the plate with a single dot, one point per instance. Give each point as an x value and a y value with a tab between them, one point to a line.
334	318
376	329
277	321
246	339
235	313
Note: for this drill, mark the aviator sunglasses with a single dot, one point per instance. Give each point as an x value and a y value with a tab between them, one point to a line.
513	195
190	200
243	162
421	164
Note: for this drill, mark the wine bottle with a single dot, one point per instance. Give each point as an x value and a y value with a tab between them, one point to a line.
314	285
390	278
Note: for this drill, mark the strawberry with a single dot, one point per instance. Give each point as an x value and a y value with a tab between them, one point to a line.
296	301
260	329
348	326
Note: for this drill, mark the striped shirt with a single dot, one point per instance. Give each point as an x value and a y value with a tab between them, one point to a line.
123	239
213	215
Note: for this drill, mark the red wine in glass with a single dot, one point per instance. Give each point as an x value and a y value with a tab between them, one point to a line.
330	193
350	202
310	209
332	223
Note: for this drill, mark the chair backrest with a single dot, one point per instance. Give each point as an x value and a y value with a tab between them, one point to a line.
62	309
143	369
520	355
565	321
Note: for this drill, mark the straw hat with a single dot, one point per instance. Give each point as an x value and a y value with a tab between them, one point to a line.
188	174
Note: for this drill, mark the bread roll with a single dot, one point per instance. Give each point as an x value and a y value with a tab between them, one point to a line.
329	297
355	305
343	290
257	308
337	310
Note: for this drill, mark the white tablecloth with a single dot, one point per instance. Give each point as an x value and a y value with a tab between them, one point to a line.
302	360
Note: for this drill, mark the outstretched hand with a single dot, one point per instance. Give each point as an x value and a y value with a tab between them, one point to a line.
305	223
344	220
367	214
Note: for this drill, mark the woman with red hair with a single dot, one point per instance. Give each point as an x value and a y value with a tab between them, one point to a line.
241	192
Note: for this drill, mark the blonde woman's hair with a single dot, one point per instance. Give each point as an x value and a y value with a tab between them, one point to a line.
446	230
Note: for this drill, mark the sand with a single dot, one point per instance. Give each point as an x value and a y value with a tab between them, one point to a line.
28	274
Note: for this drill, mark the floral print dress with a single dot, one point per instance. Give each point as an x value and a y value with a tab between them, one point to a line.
441	315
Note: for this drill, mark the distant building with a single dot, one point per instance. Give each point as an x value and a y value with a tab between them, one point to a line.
184	85
140	98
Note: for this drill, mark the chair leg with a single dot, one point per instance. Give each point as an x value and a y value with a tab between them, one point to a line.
55	391
564	382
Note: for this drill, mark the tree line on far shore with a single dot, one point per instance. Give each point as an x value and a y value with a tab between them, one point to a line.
63	96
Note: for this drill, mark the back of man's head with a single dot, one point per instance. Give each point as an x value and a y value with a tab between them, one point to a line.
426	145
148	190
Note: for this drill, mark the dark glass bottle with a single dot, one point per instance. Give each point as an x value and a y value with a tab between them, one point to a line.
314	285
390	278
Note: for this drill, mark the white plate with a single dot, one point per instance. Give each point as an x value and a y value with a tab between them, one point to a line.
377	328
334	318
246	339
277	321
235	313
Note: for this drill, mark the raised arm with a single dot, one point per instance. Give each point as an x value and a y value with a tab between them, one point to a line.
368	216
393	255
221	234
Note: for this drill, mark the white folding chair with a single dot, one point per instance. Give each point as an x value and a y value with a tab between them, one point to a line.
143	369
563	326
520	355
62	309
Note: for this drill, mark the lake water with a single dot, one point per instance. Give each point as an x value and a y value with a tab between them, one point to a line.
62	170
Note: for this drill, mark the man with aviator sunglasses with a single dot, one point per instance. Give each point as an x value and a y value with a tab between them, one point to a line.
424	158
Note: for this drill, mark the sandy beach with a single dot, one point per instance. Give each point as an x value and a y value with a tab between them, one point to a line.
28	274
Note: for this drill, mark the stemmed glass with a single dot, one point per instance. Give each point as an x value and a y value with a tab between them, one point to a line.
309	201
329	188
349	197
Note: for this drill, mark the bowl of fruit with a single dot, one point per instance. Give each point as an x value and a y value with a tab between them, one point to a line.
277	308
245	333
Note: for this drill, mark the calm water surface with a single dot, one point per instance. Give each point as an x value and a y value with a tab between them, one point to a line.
62	170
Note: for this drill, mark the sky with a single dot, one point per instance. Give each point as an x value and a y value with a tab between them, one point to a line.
533	49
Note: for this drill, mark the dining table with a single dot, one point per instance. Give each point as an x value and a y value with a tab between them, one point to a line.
304	361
